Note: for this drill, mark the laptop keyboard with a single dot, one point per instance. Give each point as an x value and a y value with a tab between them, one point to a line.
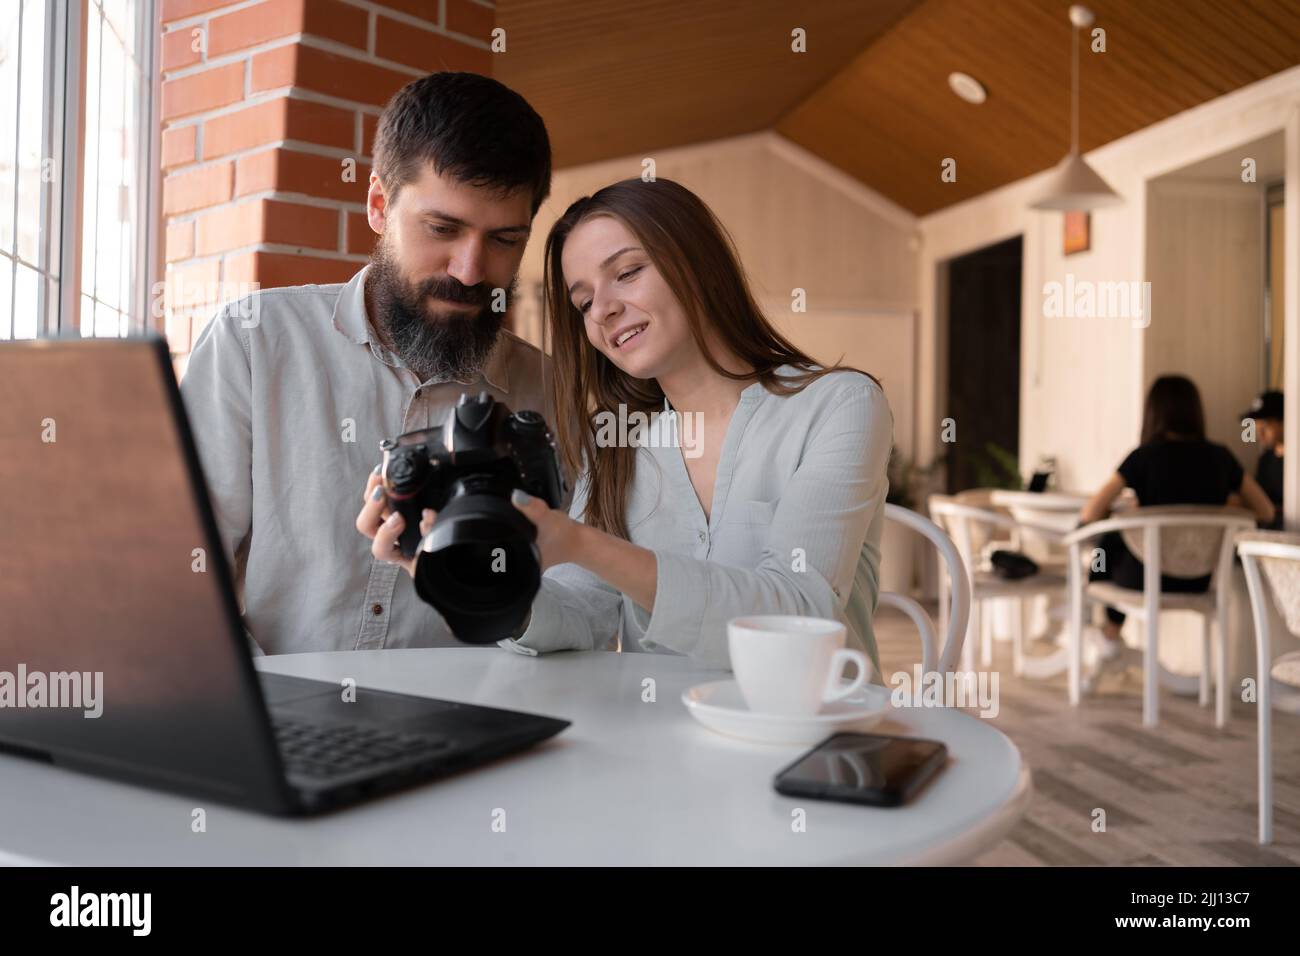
332	750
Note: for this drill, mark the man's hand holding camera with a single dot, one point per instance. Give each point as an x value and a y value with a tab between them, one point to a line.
383	525
558	535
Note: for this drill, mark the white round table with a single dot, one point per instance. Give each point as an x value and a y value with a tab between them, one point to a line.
1057	509
630	782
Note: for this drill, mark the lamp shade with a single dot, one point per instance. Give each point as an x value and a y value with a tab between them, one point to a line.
1074	185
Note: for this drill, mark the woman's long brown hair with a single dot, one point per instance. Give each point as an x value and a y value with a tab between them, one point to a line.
695	255
1173	407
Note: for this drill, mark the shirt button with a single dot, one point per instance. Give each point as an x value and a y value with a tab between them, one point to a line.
376	609
703	536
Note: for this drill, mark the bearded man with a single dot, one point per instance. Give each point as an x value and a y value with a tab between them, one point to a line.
290	390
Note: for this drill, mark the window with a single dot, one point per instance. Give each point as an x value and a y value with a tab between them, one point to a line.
114	283
29	194
77	143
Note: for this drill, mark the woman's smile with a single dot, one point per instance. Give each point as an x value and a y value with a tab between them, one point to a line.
626	336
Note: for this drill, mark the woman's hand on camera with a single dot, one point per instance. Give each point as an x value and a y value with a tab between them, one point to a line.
382	525
559	537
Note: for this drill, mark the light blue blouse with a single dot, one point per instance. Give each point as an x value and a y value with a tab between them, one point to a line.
798	506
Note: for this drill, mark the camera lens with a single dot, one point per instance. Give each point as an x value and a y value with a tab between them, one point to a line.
479	566
482	574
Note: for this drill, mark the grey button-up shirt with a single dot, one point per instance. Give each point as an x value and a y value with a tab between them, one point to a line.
289	393
794	528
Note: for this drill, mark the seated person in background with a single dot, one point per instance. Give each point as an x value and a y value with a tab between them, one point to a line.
1174	465
1267	413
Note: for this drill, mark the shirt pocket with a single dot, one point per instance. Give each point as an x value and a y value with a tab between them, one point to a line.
753	513
742	540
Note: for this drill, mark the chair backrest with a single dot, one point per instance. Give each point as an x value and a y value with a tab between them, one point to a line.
971	526
954	516
976	498
1188	549
949	518
980	533
1278	553
932	658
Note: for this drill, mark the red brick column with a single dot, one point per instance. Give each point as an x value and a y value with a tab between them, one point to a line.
269	110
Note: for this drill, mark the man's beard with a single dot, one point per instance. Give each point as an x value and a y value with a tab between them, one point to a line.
435	345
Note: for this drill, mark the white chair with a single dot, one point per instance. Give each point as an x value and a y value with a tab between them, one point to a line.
1185	541
955	614
1278	680
972	528
982	539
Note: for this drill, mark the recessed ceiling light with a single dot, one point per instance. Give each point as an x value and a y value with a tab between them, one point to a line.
967	87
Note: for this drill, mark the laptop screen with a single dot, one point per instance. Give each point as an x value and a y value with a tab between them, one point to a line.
120	645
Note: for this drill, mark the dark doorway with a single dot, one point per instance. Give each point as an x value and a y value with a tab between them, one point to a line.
984	367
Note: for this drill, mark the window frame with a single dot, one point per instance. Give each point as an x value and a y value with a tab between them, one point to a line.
68	100
65	95
48	258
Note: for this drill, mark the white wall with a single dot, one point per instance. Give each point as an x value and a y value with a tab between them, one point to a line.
1083	379
1205	262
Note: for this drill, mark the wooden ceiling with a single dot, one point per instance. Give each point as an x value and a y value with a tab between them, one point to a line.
889	118
623	77
616	78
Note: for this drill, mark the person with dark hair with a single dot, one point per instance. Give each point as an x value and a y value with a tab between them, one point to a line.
761	490
1173	465
291	389
1266	411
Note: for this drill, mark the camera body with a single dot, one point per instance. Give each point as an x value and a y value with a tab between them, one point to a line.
479	564
482	448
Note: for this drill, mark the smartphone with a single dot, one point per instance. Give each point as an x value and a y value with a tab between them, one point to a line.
864	768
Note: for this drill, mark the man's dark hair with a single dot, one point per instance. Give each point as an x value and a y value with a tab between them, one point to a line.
470	127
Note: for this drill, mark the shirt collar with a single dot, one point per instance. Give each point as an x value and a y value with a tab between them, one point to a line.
351	321
751	392
350	310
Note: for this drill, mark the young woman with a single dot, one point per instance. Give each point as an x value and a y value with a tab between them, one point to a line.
1174	465
768	496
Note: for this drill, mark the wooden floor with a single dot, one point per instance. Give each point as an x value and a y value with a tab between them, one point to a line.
1180	794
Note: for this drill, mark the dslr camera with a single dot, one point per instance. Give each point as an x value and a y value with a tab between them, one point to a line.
479	566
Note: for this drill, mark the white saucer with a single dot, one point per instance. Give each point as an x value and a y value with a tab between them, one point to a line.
719	706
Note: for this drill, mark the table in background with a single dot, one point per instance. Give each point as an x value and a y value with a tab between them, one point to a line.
1057	509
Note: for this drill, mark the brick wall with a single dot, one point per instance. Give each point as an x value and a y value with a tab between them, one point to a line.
269	110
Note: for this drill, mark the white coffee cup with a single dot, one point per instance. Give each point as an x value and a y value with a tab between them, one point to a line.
792	665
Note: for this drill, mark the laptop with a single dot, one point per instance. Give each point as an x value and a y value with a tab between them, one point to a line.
116	597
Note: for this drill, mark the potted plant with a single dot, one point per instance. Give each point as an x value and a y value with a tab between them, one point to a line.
997	468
